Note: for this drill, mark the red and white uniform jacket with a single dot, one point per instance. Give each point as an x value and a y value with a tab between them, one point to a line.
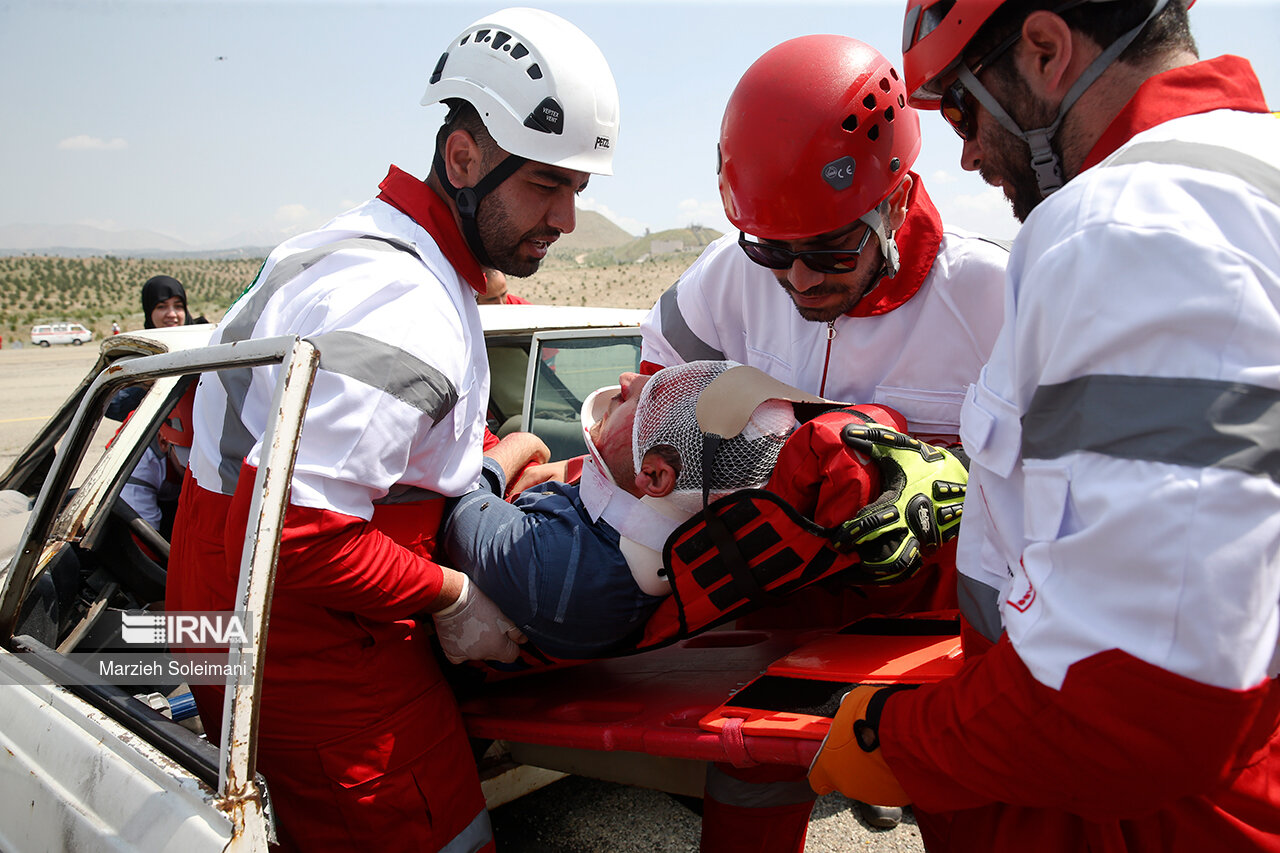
1124	504
400	395
914	343
354	707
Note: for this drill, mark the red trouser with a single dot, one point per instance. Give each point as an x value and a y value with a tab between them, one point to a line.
762	808
360	738
1125	757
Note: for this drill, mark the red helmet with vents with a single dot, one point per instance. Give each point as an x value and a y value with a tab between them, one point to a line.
935	34
816	135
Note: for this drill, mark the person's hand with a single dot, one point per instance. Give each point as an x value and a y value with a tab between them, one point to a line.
919	509
537	474
517	451
849	760
473	628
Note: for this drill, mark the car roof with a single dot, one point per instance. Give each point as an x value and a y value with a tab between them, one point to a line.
506	319
153	341
534	318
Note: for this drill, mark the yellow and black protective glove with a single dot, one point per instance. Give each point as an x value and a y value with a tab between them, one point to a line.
849	760
918	510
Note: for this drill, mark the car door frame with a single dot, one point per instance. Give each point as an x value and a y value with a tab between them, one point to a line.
52	525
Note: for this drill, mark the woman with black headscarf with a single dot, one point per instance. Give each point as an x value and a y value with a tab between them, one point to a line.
153	486
164	303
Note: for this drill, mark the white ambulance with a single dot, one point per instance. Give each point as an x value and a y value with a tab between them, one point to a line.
47	334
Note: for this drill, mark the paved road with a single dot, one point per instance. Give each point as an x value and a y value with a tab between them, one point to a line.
33	383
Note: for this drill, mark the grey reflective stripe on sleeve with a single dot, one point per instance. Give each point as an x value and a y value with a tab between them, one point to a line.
1196	422
236	441
980	605
389	369
1262	176
473	838
689	346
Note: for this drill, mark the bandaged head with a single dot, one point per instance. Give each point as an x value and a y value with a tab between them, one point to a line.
715	459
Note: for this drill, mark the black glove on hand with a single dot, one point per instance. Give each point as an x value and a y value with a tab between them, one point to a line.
919	509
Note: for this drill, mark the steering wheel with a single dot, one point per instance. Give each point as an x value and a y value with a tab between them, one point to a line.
141	570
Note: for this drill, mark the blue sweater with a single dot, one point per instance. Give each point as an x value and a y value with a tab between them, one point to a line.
554	572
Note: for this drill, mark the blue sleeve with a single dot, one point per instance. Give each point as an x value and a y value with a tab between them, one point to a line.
125	401
553	572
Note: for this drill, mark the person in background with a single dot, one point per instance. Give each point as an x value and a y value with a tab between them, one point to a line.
155	482
164	304
1124	559
115	327
359	734
496	292
844	282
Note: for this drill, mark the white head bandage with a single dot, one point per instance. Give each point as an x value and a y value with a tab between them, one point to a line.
745	442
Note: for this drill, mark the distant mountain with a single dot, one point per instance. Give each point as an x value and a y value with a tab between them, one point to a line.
674	241
593	231
75	239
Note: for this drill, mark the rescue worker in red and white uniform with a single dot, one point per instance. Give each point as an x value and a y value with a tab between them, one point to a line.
844	283
361	740
1123	509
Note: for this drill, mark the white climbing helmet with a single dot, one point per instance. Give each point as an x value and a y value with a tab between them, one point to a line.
541	86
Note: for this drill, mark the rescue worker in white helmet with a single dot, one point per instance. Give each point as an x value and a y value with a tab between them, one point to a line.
1124	561
359	733
845	283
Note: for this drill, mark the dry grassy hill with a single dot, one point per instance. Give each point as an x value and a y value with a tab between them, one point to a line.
598	264
98	290
593	231
615	285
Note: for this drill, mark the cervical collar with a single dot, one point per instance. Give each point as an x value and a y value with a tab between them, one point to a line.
644	524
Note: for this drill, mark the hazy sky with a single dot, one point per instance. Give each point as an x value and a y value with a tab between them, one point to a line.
208	120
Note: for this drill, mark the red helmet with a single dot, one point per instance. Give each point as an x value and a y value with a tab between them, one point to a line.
176	428
934	36
816	134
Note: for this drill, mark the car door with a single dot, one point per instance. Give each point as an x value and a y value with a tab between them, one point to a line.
88	763
565	367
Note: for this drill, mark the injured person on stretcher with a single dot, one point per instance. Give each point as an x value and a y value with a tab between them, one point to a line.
629	559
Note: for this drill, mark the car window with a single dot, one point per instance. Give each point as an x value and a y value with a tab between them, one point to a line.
565	367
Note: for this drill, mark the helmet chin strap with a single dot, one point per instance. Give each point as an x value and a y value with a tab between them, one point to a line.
878	222
1044	160
467	199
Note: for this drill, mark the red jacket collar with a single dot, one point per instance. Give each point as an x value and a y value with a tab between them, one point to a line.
1224	83
420	203
918	241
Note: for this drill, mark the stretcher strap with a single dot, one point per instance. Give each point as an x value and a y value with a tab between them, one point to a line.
734	744
745	581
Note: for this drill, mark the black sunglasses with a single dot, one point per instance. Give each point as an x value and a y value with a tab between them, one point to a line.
960	110
959	107
826	261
